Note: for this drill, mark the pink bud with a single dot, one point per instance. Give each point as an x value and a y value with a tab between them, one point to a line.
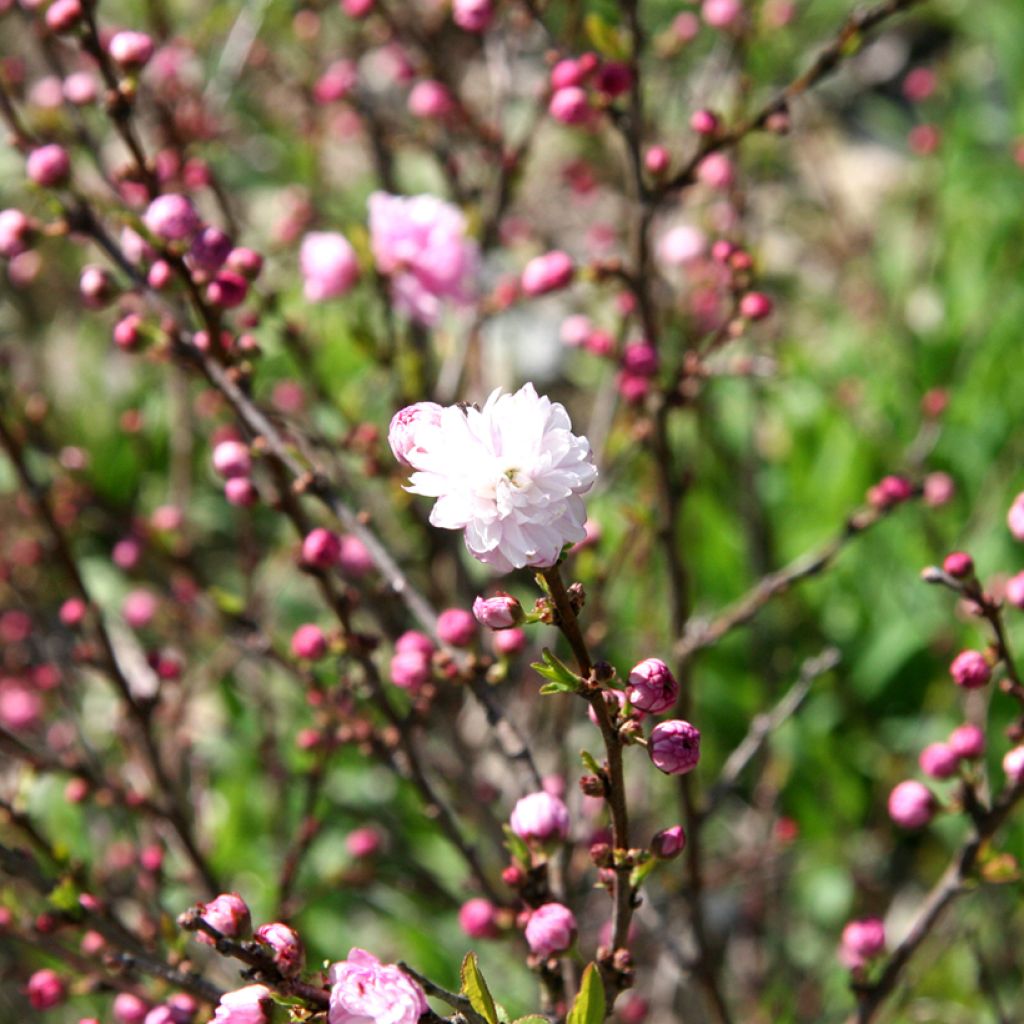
613	79
967	741
129	1008
721	13
685	26
321	548
862	941
309	642
209	250
890	490
575	330
410	428
246	262
80	88
1014	590
502	611
63	15
241	491
669	842
126	553
640	358
716	171
938	760
229	914
958	564
354	558
682	245
652	687
171	217
911	804
551	929
249	1005
970	670
362	842
15	228
336	82
540	816
45	990
674	747
48	165
127	332
159	275
457	627
656	160
704	122
570	72
509	641
478	919
231	459
96	287
227	290
547	273
410	669
131	50
600	343
472	15
570	105
1013	765
72	611
755	306
357	8
138	608
939	489
1015	517
413	642
285	944
329	265
430	99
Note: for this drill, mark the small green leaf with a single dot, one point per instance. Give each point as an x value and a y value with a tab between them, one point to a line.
588	1007
606	38
589	762
548	688
517	848
227	603
557	673
474	988
641	871
64	896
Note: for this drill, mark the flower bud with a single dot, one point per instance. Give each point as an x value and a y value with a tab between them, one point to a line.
656	160
472	15
131	50
336	82
227	290
354	558
1013	765
229	914
613	79
652	687
478	919
96	287
127	332
362	842
669	842
721	13
408	427
970	670
249	1005
209	250
357	8
551	929
1014	590
681	245
958	564
938	760
938	489
502	611
231	459
240	491
1015	517
716	170
862	941
48	165
430	99
309	642
172	217
457	627
756	306
410	669
570	105
415	642
321	548
704	122
45	990
285	944
63	15
246	262
540	816
509	641
572	71
138	608
674	747
15	228
911	804
967	741
640	358
547	273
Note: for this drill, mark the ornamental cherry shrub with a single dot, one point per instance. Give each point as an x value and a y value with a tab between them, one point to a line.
469	473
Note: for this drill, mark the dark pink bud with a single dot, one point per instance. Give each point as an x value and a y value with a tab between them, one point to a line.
246	262
129	1009
674	747
209	249
958	564
756	306
704	122
891	490
227	290
547	273
970	670
63	15
285	944
231	459
354	558
551	929
321	548
938	760
478	919
430	99
45	990
541	816
669	842
613	79
502	611
457	627
229	914
309	642
600	343
172	217
911	804
862	941
967	741
410	669
570	105
48	165
131	50
472	15
183	1007
128	331
652	687
241	491
656	160
72	611
151	858
640	358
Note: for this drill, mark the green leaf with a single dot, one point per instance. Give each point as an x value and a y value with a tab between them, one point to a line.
474	988
548	688
606	39
227	603
588	1006
516	846
561	678
589	762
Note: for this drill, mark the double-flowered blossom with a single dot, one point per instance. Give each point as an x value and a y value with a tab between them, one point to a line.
365	991
511	475
551	929
420	243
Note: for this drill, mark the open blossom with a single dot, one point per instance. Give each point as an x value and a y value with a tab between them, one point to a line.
365	991
511	475
420	243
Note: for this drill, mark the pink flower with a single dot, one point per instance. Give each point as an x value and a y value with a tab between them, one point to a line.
405	426
1015	590
674	747
420	243
1015	517
652	687
502	611
911	804
329	265
478	919
970	670
362	842
547	273
249	1005
511	475
967	741
721	13
551	929
456	626
285	944
45	990
939	760
682	244
309	642
862	941
172	217
365	991
541	816
1013	765
229	914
